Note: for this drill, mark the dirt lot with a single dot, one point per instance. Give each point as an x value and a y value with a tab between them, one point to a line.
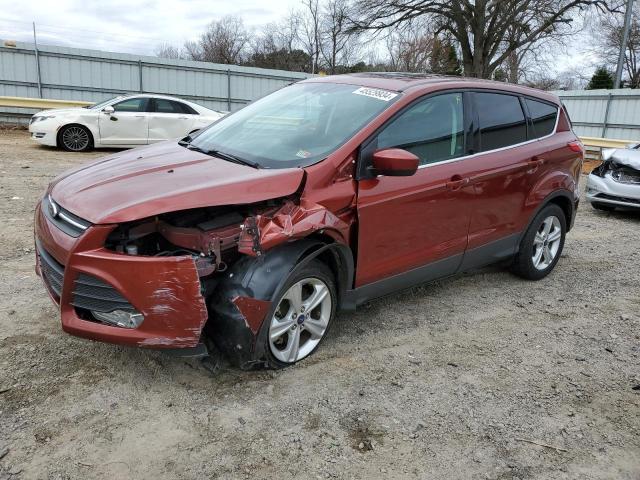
452	380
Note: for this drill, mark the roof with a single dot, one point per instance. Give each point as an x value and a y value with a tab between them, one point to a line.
402	81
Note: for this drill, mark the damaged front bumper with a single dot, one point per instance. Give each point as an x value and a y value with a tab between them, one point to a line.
609	191
81	276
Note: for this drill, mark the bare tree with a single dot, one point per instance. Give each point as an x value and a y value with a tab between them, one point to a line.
410	48
610	40
164	50
276	47
224	41
487	31
338	45
310	34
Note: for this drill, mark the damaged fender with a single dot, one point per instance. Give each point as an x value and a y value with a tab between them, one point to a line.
261	233
244	298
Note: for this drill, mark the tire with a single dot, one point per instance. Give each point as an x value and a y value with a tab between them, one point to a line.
75	138
291	333
542	244
603	207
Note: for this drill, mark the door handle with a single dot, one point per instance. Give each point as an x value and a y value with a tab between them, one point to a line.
140	116
183	118
457	182
534	163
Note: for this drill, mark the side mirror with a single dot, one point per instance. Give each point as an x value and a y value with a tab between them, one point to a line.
108	110
394	162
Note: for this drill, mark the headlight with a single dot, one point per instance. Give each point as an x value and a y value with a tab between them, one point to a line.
40	118
120	318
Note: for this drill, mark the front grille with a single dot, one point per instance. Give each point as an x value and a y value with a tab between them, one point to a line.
66	221
91	293
626	177
618	199
52	271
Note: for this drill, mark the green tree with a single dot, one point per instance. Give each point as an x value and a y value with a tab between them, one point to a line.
602	79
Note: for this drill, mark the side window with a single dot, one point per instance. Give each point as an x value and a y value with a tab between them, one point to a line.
162	105
432	129
131	105
167	106
502	121
543	116
186	109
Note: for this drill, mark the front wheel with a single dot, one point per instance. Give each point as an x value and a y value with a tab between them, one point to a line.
75	138
542	244
303	312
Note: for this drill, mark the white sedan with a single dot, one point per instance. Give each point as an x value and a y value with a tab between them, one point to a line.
121	122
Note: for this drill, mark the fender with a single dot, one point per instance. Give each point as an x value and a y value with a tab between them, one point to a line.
244	298
565	195
553	184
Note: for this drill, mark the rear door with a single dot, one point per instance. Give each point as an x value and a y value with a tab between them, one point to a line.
170	119
127	125
508	165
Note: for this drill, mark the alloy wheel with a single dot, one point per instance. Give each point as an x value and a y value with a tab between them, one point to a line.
546	243
300	320
75	138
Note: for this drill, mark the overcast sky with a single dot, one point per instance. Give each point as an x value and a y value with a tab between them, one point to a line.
135	26
140	26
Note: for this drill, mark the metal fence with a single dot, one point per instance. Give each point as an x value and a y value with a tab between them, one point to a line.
90	75
604	113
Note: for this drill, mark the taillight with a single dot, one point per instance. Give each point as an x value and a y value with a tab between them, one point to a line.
576	147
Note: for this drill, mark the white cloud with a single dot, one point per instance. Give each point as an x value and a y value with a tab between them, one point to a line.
136	26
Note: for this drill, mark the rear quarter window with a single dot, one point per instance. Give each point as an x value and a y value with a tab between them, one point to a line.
543	117
502	121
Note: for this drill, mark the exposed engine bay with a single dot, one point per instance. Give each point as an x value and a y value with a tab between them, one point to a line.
216	236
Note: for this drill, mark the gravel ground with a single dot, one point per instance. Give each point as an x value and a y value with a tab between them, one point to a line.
463	378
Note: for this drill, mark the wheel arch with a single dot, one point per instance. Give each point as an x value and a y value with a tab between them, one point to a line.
243	298
562	198
92	136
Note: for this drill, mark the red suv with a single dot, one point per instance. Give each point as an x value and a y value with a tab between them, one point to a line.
319	197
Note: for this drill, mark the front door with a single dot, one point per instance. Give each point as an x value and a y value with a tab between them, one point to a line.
127	125
416	225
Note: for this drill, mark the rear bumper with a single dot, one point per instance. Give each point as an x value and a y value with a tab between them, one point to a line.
165	290
607	191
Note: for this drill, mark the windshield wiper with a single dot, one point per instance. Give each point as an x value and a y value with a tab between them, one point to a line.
186	142
232	158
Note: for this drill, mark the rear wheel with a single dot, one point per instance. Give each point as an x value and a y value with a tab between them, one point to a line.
302	313
75	138
542	244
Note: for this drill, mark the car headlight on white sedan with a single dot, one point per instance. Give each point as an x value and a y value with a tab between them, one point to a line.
40	118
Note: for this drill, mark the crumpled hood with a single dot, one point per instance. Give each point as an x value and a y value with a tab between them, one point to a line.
162	178
627	158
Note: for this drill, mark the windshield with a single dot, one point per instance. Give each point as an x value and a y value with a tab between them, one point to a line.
103	103
296	126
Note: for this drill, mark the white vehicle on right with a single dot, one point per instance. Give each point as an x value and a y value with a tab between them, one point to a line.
616	183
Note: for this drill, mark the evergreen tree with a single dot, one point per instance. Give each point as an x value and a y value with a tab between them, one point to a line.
602	79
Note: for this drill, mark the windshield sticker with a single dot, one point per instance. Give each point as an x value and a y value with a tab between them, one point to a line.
383	95
303	154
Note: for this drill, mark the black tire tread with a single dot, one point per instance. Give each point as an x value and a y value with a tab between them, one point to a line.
522	264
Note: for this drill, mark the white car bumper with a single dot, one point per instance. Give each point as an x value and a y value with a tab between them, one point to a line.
611	192
44	133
